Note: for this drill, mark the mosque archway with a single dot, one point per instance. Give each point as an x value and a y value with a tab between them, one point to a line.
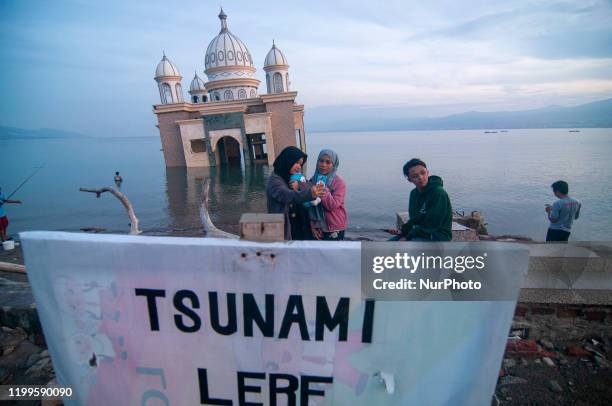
228	151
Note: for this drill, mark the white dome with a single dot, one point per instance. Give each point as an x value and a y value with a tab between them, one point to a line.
166	68
275	57
197	84
226	49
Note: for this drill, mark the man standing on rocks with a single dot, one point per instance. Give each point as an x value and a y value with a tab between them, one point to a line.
562	213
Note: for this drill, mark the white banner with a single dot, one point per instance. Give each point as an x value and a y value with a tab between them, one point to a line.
185	321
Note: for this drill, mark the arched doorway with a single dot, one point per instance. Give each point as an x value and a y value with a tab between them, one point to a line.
228	151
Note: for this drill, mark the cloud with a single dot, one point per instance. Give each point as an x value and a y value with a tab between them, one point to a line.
492	53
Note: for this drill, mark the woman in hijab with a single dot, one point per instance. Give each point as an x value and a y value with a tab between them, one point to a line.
284	199
329	219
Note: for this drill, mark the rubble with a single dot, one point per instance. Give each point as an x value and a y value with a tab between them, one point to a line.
577	351
554	386
547	344
512	380
548	361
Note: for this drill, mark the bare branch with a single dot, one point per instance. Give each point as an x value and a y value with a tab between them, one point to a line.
124	201
210	230
10	267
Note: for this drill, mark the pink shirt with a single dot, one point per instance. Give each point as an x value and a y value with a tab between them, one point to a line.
333	205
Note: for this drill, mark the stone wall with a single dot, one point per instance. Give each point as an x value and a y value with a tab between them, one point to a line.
170	135
283	129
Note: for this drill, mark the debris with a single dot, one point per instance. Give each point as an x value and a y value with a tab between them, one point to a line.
4	374
37	368
547	344
8	349
527	348
509	363
594	351
601	362
577	351
548	361
554	386
512	380
32	359
522	332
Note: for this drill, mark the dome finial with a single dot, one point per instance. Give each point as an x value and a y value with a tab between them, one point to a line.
164	53
273	44
223	18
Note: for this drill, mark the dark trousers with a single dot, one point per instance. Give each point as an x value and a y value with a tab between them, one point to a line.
557	235
335	236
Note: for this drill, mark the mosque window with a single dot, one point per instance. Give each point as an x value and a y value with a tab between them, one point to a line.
228	95
242	94
213	57
206	59
253	94
230	55
220	56
204	99
239	56
179	92
216	96
195	99
166	94
198	146
298	138
278	83
268	83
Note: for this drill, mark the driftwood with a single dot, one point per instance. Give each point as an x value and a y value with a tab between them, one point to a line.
10	267
124	201
210	230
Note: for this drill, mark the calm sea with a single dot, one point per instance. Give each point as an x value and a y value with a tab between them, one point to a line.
505	175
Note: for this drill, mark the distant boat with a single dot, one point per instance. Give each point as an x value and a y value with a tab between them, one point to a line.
490	132
503	131
574	131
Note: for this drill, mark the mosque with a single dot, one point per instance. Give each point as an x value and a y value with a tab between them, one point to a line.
225	120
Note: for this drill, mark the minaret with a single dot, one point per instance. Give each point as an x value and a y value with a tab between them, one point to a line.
277	71
197	90
168	80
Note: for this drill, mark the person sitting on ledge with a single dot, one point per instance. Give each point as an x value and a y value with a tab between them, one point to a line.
430	210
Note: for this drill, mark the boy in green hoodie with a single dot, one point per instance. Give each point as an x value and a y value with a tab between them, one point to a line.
429	208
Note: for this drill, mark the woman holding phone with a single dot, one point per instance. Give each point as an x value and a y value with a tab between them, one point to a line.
329	219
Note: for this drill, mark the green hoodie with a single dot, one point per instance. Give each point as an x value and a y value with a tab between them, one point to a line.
430	212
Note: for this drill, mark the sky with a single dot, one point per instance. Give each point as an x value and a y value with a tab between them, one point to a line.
88	66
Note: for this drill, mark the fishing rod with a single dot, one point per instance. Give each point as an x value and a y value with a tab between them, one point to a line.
23	183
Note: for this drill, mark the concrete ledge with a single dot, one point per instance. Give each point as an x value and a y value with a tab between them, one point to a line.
570	273
579	297
460	232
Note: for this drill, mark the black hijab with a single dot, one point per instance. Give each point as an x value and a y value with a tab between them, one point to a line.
285	160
